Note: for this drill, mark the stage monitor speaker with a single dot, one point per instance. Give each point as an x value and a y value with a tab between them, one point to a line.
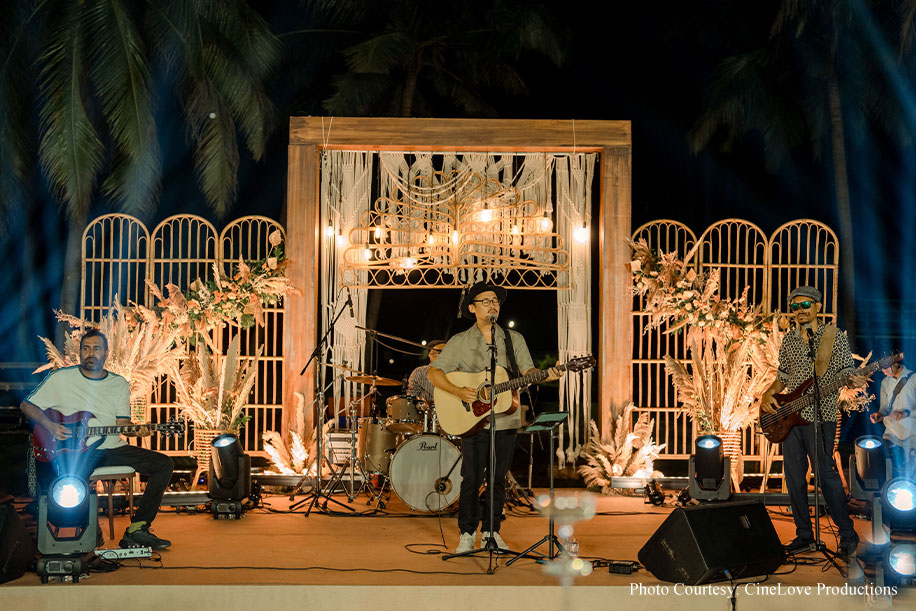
17	550
700	544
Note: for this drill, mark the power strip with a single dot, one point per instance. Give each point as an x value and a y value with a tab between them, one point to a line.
120	553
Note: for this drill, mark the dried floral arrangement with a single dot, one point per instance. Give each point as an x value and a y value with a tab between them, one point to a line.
237	299
733	346
624	450
140	346
212	389
292	457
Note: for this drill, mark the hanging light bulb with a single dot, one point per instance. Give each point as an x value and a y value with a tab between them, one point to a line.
486	215
367	254
455	237
379	232
341	239
329	231
545	224
409	263
581	234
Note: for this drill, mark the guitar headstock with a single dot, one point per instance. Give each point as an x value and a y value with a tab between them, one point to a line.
581	363
172	427
890	359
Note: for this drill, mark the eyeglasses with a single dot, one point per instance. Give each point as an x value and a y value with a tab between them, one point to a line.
801	304
435	351
487	302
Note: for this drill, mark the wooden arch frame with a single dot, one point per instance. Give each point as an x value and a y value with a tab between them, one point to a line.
309	136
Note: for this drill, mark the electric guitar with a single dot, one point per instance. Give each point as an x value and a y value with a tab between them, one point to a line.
776	426
46	447
457	417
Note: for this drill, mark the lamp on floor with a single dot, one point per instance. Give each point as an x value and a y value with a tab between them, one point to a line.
67	528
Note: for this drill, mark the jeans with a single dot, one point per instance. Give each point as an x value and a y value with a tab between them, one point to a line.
475	458
157	467
798	449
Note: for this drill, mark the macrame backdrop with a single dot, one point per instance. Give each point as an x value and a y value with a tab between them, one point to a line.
574	176
346	181
559	184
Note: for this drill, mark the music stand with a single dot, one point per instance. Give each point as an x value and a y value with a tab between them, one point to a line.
546	421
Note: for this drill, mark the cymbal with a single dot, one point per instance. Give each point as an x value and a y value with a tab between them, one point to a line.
344	367
377	380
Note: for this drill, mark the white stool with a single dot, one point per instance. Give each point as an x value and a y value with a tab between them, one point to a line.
109	476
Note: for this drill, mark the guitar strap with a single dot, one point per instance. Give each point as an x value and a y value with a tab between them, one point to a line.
825	350
513	365
899	388
510	355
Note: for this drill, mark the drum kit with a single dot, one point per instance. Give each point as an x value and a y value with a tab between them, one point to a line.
404	451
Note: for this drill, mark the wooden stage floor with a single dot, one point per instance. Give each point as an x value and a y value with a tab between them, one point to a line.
273	559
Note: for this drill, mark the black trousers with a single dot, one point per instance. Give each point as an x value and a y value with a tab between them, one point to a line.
798	450
157	467
475	458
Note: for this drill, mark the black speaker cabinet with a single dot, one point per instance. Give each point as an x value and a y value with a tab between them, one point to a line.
17	550
697	545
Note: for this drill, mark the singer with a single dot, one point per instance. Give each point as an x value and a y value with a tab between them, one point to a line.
467	351
800	355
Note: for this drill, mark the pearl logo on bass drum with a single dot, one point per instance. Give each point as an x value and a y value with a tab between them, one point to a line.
427	447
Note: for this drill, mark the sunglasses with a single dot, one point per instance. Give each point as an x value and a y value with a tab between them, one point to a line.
801	304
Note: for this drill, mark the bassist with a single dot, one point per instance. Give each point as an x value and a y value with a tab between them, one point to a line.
91	388
467	351
832	359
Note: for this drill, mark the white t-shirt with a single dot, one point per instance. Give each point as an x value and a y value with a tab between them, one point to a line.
69	391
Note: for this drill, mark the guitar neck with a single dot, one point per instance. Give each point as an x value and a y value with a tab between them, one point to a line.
808	399
117	429
531	378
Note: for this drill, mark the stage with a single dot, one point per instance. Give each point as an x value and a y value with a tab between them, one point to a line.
273	559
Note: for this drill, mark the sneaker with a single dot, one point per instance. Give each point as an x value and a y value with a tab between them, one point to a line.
500	544
142	537
797	545
848	546
466	543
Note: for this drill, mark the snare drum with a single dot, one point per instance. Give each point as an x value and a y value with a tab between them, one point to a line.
375	445
405	414
426	472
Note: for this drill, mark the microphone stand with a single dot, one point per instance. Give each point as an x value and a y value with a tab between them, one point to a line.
319	429
818	545
489	545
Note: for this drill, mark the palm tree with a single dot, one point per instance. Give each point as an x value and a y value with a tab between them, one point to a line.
79	85
830	71
408	58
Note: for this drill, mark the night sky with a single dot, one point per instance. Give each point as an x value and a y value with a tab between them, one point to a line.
648	62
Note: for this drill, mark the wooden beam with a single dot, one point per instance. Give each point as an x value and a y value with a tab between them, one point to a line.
615	375
491	135
300	331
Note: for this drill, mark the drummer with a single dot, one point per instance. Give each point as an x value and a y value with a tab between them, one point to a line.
418	384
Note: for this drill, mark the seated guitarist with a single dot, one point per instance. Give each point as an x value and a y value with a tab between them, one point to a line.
796	366
467	351
106	395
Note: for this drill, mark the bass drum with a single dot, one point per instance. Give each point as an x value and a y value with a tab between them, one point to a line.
426	473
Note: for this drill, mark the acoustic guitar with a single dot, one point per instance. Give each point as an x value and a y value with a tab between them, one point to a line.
457	417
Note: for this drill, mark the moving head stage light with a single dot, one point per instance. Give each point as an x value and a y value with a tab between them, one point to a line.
709	470
67	528
229	477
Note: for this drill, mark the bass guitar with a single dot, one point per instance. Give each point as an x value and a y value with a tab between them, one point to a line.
46	447
457	417
776	426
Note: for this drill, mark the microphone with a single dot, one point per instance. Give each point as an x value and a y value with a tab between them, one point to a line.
492	318
350	302
461	301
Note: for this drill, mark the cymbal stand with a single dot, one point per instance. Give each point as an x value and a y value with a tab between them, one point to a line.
298	488
353	462
319	425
